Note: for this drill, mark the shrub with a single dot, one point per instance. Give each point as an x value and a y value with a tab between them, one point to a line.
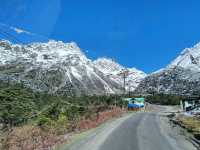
164	99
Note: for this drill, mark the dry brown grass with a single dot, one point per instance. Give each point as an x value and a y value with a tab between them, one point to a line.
29	138
192	124
86	124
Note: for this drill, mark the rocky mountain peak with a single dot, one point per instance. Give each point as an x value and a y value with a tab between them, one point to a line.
108	65
114	70
188	59
182	76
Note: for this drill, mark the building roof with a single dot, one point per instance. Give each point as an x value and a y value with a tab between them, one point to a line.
141	99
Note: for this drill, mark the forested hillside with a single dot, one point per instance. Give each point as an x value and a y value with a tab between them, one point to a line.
21	107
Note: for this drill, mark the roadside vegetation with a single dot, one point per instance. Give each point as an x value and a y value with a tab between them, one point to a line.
35	120
164	99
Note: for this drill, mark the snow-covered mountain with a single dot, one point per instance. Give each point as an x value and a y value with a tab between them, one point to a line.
112	69
188	59
60	68
181	76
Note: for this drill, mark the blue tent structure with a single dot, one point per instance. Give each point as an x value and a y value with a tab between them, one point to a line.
133	106
135	102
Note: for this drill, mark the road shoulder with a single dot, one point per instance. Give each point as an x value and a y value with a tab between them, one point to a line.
94	137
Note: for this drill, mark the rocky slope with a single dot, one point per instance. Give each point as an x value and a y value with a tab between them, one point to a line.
182	76
114	71
58	68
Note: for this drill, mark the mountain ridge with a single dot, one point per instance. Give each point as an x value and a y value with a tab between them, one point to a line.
56	67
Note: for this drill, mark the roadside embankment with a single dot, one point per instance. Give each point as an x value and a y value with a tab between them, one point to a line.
190	124
101	117
33	137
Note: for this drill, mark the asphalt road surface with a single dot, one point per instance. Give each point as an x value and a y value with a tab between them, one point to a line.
139	131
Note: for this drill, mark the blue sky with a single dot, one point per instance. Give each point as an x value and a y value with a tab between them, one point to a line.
146	34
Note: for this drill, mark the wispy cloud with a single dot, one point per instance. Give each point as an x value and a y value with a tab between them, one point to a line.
20	31
17	30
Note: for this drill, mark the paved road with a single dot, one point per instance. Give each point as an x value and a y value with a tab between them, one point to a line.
141	131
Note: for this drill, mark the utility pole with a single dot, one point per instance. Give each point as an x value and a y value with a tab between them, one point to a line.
124	73
129	90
